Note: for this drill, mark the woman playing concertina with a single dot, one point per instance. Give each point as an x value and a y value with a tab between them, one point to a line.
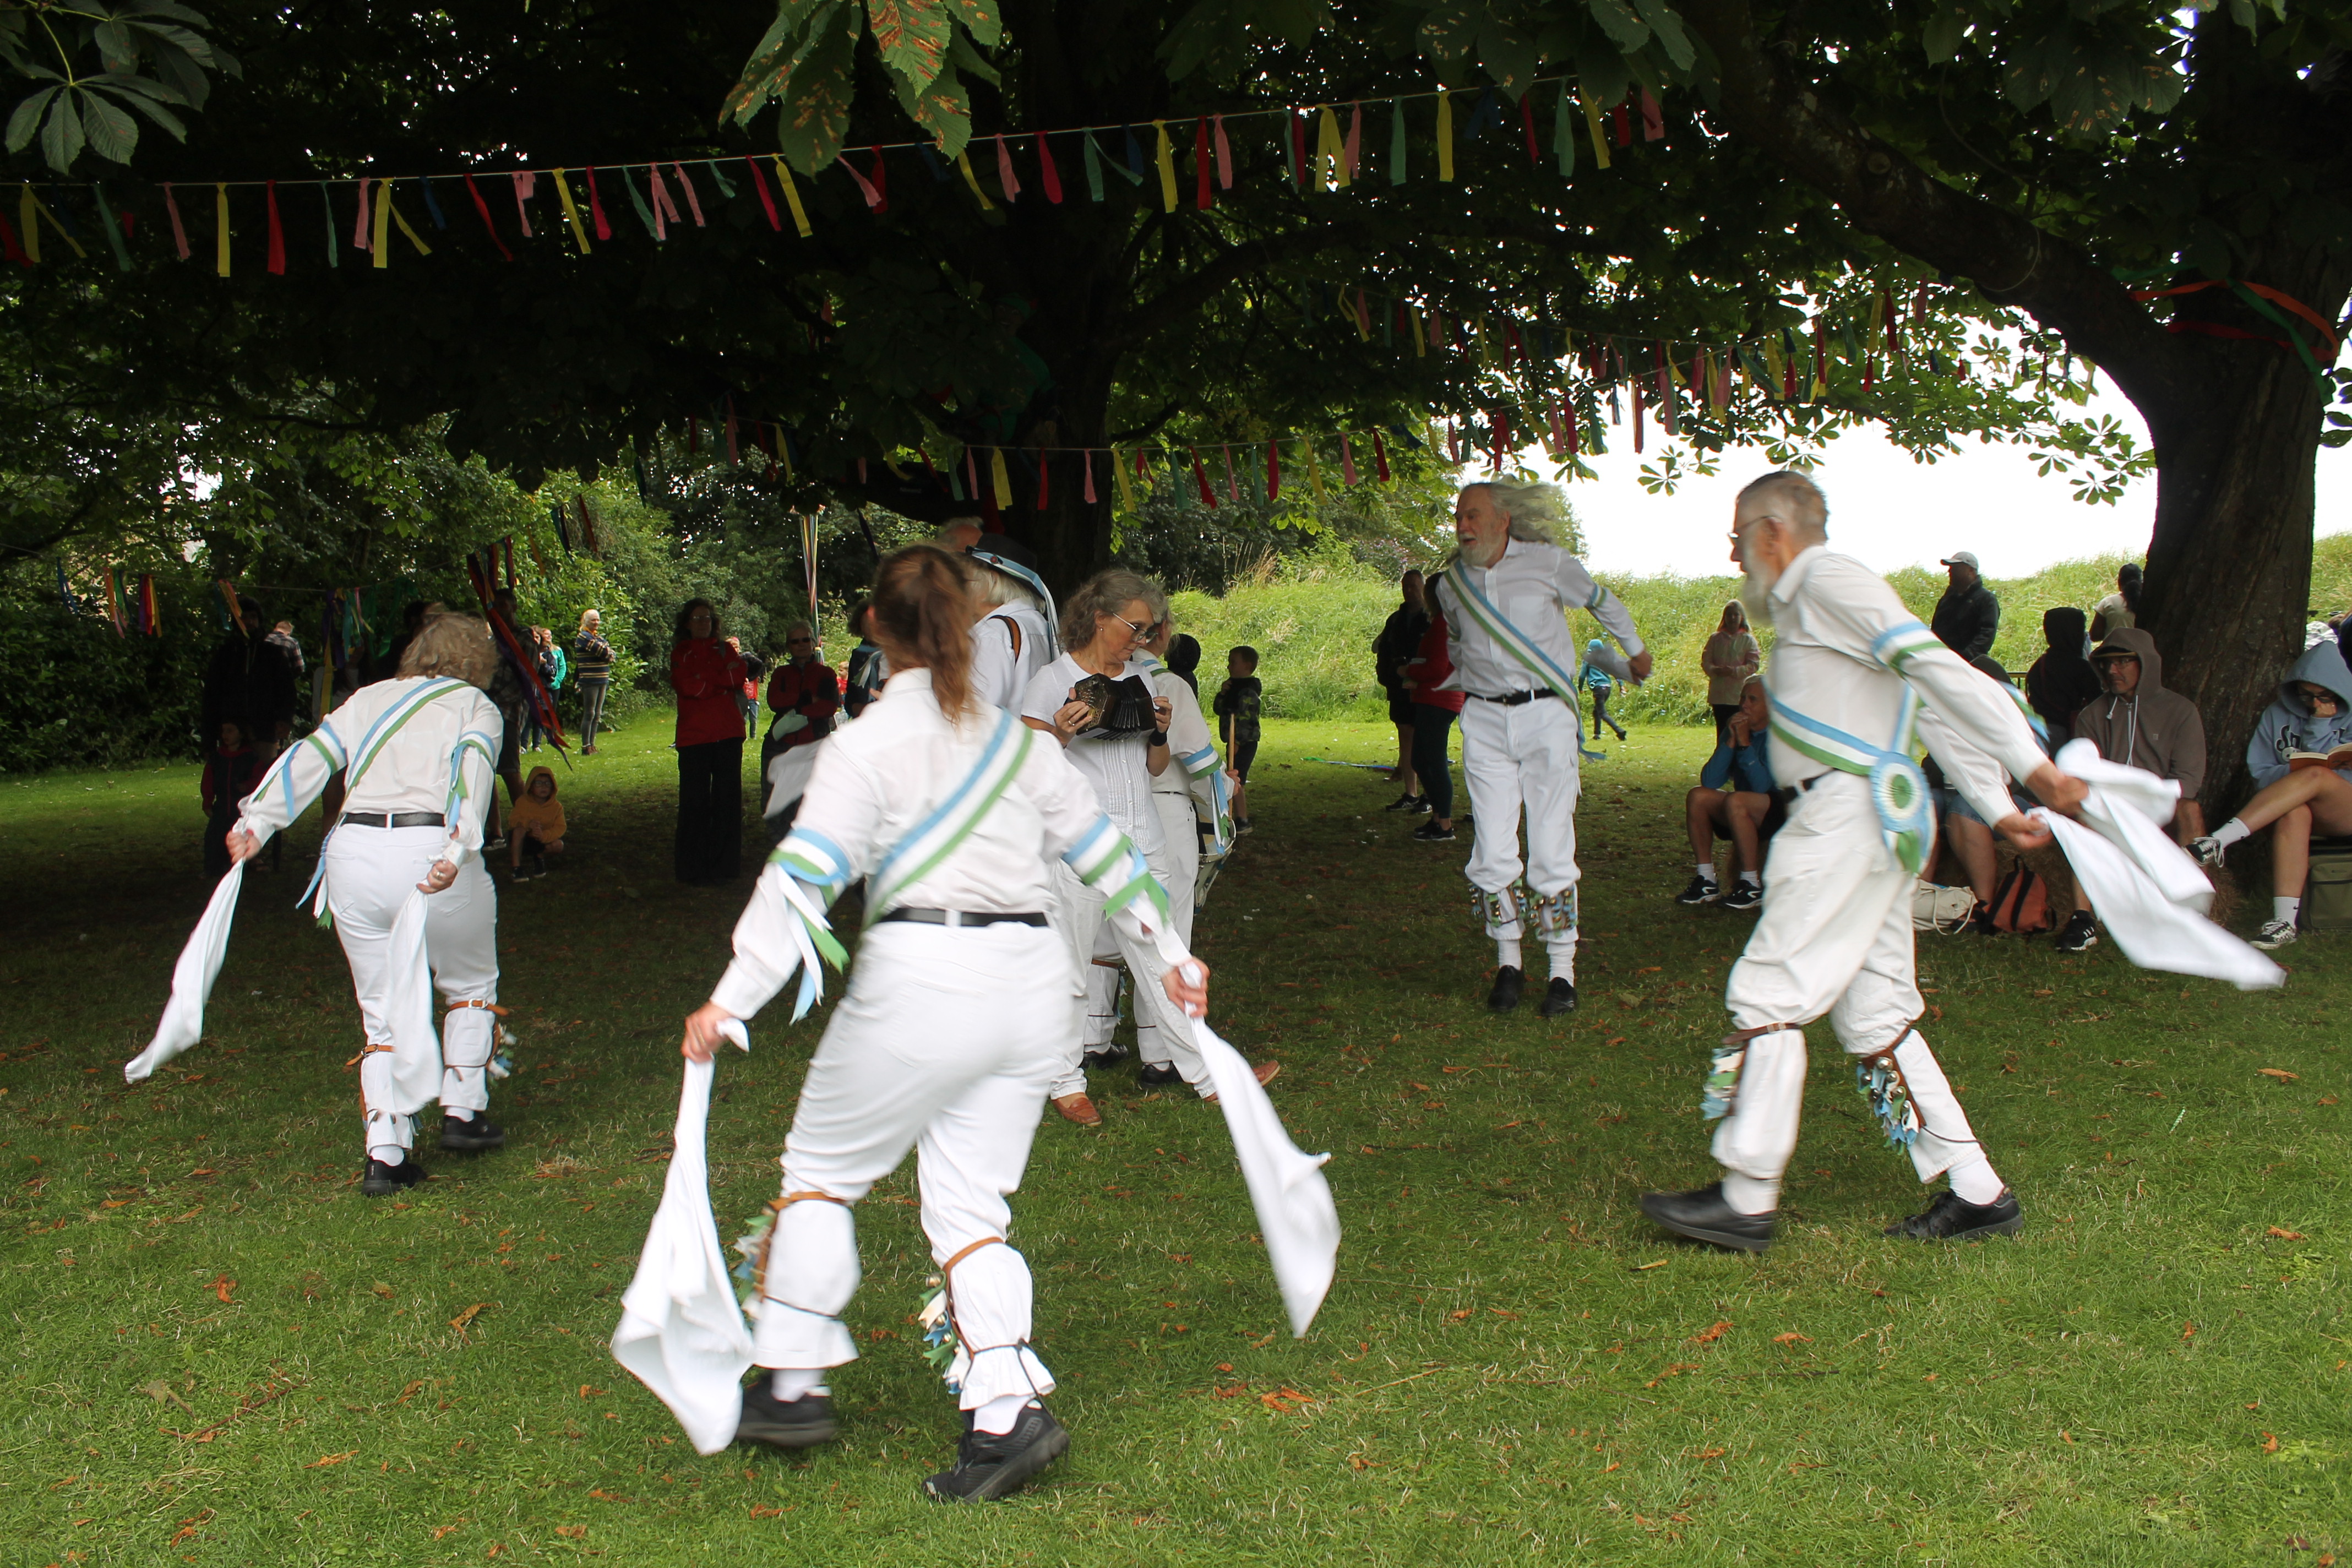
418	752
953	1028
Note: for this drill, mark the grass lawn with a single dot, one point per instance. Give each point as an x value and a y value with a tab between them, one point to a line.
217	1351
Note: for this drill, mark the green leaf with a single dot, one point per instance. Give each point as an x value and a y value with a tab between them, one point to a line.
1942	35
1625	29
980	18
143	96
114	45
1509	57
1451	29
943	109
61	138
26	120
965	56
912	38
813	94
112	133
1669	30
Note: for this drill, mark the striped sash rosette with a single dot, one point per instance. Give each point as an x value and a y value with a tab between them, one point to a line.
1898	787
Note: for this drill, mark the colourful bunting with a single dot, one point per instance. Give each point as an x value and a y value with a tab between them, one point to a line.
1445	134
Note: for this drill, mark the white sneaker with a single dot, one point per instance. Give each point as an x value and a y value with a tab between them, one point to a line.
2275	933
2207	851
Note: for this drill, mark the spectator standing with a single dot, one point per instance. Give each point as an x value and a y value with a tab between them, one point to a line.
250	680
2313	715
282	637
1399	641
1734	799
867	669
233	766
1967	615
412	617
2139	724
2062	679
592	665
1435	709
1601	683
1730	656
1238	704
708	677
2119	611
548	660
804	696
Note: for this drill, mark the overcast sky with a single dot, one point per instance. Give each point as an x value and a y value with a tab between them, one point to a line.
1889	511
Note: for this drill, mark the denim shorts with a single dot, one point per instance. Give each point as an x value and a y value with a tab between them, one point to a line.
1950	802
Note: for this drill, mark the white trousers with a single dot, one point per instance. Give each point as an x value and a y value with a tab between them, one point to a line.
945	1042
1102	977
371	872
1079	912
1524	759
1180	829
1835	938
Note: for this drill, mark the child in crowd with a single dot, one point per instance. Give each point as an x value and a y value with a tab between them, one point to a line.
534	827
1598	682
1238	704
233	769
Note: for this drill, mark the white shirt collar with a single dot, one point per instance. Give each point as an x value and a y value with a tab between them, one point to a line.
1785	587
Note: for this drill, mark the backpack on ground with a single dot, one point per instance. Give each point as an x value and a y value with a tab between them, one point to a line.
2022	903
1937	908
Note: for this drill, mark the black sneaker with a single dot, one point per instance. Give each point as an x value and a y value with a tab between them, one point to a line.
1429	833
1702	1216
1745	896
1980	920
802	1423
1105	1057
539	866
1158	1075
471	1137
1952	1217
2081	934
381	1181
1559	997
1508	984
989	1465
1701	890
1408	804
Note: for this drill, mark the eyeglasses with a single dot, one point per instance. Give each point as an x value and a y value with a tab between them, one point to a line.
1143	633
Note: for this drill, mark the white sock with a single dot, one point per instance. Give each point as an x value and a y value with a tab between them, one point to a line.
1507	952
791	1382
2285	910
1562	952
996	1417
1751	878
389	1154
459	1111
1750	1195
1975	1181
2229	832
1707	870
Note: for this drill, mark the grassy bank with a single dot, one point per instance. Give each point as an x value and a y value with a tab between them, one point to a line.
1314	620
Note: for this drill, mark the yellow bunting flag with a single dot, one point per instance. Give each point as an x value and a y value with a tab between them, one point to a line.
1593	124
1486	348
1167	156
378	250
963	162
792	194
1420	343
998	478
1445	135
220	225
1330	152
1125	490
1361	314
570	215
1314	473
385	205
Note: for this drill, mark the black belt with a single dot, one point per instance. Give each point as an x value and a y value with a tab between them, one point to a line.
965	917
1516	699
1787	793
395	818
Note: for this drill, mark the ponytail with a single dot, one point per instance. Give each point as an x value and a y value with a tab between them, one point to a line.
2127	582
921	614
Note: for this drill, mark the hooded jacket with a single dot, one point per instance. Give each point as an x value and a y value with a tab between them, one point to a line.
2061	680
2289	725
2154	730
542	819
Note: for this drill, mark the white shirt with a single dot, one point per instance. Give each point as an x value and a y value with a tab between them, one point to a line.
878	779
411	773
1114	765
2118	614
1535	587
1830	613
1187	733
1000	675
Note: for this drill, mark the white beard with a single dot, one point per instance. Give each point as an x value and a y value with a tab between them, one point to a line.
1755	595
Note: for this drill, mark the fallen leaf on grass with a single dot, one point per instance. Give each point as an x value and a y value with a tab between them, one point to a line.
1284	1398
330	1459
2270	1444
2188	1330
160	1390
764	1512
467	1316
2279	1073
1611	1465
408	1393
1500	1313
1708	1336
571	1531
607	1497
1674	1370
1457	1317
221	1287
588	1392
2287	1235
190	1526
1791	1338
1644	1268
381	1288
441	1530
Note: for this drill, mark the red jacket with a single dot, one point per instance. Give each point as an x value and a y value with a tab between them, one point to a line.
708	677
1429	665
809	689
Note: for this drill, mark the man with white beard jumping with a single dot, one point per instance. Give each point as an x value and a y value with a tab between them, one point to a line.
1854	675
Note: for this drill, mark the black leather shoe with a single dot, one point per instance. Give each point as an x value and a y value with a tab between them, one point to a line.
1952	1217
1559	997
1508	984
471	1137
381	1181
1702	1216
989	1465
802	1423
1107	1056
1161	1075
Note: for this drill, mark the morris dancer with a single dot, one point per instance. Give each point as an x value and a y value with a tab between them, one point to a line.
1014	638
420	751
1848	674
953	1027
1506	600
1096	699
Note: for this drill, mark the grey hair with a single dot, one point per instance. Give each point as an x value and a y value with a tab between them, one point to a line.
453	645
1538	511
792	626
997	589
945	534
1806	510
1104	593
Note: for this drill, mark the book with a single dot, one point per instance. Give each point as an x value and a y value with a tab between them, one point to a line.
2341	757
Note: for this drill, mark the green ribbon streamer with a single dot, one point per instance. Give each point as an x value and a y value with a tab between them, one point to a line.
637	200
113	229
1093	167
717	177
327	196
1396	141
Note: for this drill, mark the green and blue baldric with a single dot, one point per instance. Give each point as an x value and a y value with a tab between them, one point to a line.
1898	787
1545	669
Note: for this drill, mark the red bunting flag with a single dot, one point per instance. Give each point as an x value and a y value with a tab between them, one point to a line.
1085	467
1202	198
1654	119
1200	477
1050	178
1380	457
1044	479
1272	471
596	207
1528	120
277	233
1006	177
1224	155
1624	127
1637	418
483	208
767	197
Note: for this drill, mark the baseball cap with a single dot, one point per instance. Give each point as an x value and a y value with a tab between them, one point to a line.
2115	647
1966	558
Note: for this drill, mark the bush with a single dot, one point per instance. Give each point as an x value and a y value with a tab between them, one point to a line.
78	696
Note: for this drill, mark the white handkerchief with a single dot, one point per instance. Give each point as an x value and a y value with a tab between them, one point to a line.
182	1023
789	774
1295	1211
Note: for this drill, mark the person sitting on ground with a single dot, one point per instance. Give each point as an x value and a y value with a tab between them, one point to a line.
2062	679
2119	611
2313	715
1599	681
1963	830
2139	724
1729	658
1733	800
1238	703
534	827
232	768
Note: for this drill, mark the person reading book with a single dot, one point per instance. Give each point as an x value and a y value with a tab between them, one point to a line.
2311	720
